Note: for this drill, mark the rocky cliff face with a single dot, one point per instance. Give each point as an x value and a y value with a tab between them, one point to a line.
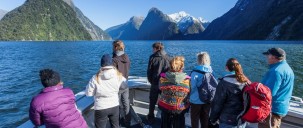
259	20
158	26
95	32
126	31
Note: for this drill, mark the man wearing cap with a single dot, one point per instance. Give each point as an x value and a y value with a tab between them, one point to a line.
280	80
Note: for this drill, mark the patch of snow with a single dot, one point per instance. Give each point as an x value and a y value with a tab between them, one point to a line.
203	20
276	30
185	20
178	16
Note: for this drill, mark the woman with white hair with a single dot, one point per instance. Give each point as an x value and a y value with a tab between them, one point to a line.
199	109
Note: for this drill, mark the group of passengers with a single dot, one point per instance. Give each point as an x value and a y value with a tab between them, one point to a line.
174	91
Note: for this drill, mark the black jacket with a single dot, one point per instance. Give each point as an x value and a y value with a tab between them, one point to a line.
228	101
158	63
122	63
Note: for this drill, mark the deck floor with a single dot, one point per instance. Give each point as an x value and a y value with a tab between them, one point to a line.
142	112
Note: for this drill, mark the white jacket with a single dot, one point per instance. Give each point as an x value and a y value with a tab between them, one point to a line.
105	91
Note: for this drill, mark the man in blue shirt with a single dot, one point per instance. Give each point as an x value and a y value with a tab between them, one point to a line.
280	80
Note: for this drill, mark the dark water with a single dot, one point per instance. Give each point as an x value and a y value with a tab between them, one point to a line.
20	63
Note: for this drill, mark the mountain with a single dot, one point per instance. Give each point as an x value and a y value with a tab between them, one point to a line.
158	26
2	13
95	32
204	22
126	31
42	20
187	23
259	20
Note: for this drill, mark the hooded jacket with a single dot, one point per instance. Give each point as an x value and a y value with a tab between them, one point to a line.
174	88
280	80
55	107
228	101
105	89
122	63
158	63
196	81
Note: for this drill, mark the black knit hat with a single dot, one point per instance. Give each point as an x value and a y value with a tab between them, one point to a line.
49	77
106	60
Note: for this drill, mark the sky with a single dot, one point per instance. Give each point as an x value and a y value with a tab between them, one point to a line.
108	13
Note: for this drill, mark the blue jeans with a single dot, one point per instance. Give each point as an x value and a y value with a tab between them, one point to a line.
222	125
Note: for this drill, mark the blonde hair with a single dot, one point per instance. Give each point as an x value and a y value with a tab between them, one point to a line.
119	74
203	58
118	45
177	64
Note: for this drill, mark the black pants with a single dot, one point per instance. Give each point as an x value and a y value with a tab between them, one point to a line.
102	116
153	98
199	113
169	120
124	106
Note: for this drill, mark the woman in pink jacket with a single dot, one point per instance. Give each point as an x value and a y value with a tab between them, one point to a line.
55	106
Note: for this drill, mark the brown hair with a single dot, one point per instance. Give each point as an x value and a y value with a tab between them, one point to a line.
233	65
118	45
158	46
177	64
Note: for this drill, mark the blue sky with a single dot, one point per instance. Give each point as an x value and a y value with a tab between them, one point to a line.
107	13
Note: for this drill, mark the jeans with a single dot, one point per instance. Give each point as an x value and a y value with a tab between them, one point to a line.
223	125
124	106
153	98
199	113
102	116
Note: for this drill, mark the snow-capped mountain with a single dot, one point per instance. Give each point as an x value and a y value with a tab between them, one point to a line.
176	17
159	26
187	23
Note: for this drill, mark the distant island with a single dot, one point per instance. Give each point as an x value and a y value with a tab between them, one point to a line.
61	20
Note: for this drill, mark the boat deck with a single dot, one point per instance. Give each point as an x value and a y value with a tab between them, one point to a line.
139	90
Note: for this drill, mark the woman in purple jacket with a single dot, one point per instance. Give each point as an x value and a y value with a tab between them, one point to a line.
55	106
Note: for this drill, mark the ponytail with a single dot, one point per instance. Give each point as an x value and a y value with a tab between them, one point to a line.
233	65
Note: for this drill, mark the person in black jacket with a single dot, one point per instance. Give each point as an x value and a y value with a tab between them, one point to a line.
122	63
228	101
158	63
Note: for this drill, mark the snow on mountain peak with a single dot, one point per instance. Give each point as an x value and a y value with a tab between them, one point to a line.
178	16
202	20
185	20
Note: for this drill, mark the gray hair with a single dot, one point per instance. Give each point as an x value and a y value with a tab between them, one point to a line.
203	58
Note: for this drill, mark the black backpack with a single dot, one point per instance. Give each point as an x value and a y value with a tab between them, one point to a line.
208	87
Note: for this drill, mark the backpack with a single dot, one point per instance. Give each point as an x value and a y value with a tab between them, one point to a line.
257	103
208	87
